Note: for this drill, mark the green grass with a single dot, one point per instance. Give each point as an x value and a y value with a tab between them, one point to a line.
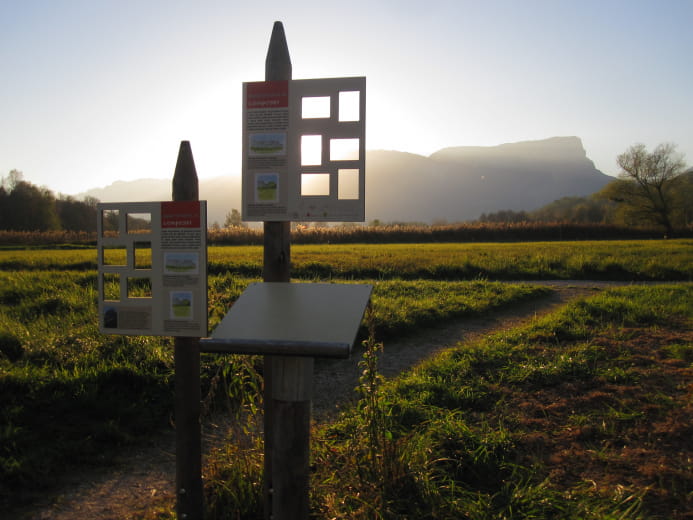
583	414
403	306
69	395
607	260
73	397
530	423
618	260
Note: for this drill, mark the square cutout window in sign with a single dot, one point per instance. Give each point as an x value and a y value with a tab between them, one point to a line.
316	152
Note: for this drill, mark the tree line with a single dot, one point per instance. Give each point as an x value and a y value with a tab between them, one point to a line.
26	207
652	189
574	210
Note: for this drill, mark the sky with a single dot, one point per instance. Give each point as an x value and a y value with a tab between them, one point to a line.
95	91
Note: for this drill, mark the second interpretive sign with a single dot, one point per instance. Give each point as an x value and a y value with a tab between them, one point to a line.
152	268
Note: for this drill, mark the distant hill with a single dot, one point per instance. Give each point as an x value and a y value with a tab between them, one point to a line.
221	193
460	183
454	184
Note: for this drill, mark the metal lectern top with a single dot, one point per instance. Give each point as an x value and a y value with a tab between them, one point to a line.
292	319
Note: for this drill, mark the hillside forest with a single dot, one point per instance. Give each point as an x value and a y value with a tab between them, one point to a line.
26	207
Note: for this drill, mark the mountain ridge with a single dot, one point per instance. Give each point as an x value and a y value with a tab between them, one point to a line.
454	183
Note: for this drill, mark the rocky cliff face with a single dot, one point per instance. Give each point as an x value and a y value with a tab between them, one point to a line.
554	149
461	183
454	184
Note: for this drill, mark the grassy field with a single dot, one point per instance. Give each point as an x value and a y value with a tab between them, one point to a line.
72	397
620	260
583	414
665	260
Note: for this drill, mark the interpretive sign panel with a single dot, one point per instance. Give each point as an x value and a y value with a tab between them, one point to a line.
304	150
152	268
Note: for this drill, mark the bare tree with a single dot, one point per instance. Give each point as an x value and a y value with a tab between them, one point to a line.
647	183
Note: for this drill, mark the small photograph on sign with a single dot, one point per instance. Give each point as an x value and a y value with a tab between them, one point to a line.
266	187
181	263
181	305
267	144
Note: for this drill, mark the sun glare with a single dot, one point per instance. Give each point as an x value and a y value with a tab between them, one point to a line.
315	184
315	107
311	150
344	149
349	106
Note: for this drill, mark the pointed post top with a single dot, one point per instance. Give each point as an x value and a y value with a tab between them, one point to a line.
185	183
278	62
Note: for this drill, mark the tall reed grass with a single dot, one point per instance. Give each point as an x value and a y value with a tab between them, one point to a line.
382	234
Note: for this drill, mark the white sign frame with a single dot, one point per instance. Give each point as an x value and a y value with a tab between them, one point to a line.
279	182
152	281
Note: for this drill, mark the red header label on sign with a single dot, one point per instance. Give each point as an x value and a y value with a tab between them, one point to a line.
180	214
267	94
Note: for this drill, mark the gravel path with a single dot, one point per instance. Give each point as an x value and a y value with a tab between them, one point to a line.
147	475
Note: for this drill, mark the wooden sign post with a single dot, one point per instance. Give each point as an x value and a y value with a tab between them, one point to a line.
189	503
168	256
291	323
279	185
287	380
